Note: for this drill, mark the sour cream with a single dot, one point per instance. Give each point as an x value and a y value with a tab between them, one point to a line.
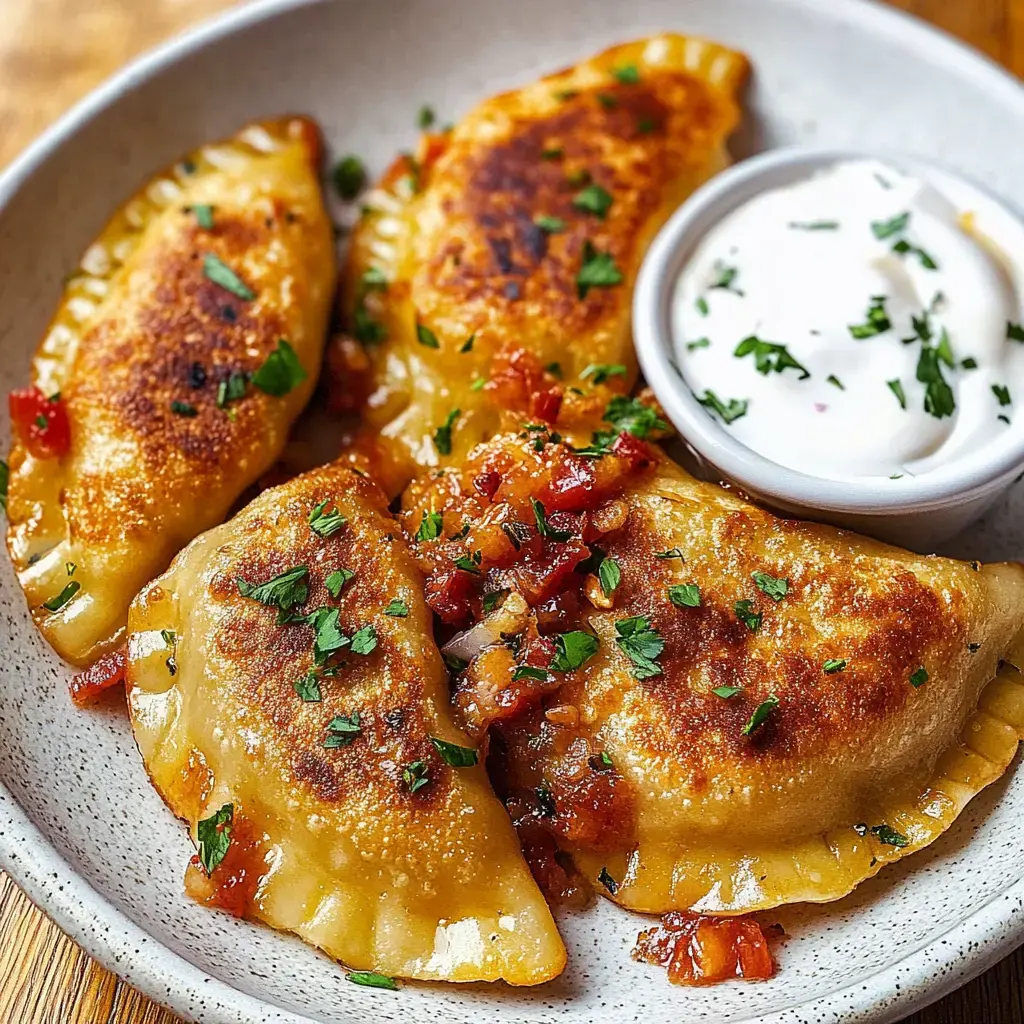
851	325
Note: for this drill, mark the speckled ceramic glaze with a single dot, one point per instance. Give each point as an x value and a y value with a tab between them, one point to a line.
80	827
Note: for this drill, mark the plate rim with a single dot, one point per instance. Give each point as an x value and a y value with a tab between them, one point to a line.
988	934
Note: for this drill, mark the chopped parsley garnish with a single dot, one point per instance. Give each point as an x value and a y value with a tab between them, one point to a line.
529	672
425	118
342	731
364	640
366	329
555	369
919	677
642	643
726	278
685	595
493	599
455	663
769	357
606	100
430	526
373	280
889	836
702	306
970	363
610	575
884	229
328	637
814	225
349	177
593	199
453	754
284	591
469	563
54	604
426	337
467	345
607	881
692	346
938	395
415	776
600	372
600	762
574	649
1002	394
371	979
876	322
397	608
214	837
518	533
308	688
761	713
204	215
217	271
729	411
834	380
443	434
1014	332
336	580
5	476
552	153
745	613
671	553
945	350
725	692
627	74
544	528
775	587
902	247
281	372
232	388
833	665
324	523
597	270
896	387
184	409
631	416
552	225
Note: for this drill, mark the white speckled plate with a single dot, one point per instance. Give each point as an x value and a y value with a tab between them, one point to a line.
80	827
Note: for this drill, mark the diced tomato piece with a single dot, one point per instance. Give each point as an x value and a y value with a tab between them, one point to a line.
547	404
41	422
234	881
633	450
487	483
109	671
448	595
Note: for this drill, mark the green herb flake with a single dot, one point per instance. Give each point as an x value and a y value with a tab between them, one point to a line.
5	476
337	580
493	599
214	837
593	199
702	306
204	215
761	713
454	663
308	688
671	553
607	881
397	608
425	118
529	672
415	776
185	409
938	395
725	279
443	434
685	595
610	574
692	346
232	388
1002	394
342	731
876	320
889	836
769	357
453	754
597	270
600	372
284	591
632	416
814	225
426	337
364	640
833	665
627	74
1014	332
430	526
552	225
467	345
903	247
217	271
372	980
367	330
642	644
544	528
919	677
745	613
54	604
725	692
775	587
970	363
573	650
349	177
727	411
282	371
552	153
883	229
896	387
834	381
478	384
324	523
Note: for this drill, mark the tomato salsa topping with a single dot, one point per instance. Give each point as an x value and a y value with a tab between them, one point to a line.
41	422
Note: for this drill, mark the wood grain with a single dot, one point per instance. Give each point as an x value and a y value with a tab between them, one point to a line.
51	53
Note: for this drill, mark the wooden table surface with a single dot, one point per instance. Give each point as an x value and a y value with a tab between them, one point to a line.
51	53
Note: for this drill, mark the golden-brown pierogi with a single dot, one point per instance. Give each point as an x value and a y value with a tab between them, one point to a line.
185	345
709	706
291	705
493	273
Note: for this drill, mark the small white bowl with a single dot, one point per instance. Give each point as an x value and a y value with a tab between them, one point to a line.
917	512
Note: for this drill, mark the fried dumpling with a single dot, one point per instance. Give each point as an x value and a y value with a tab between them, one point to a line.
494	271
725	710
285	688
183	348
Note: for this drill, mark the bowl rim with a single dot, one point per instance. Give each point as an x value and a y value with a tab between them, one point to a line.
981	474
990	931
